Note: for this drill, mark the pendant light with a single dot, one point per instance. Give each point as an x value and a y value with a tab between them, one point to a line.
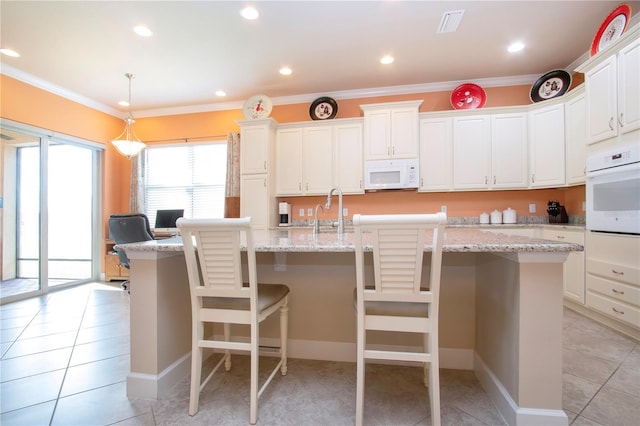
128	143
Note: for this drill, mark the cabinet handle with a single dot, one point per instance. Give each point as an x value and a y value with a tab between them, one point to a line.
299	186
421	182
617	291
621	119
485	180
494	180
611	123
265	164
264	182
533	178
617	311
307	186
393	150
617	272
360	183
560	237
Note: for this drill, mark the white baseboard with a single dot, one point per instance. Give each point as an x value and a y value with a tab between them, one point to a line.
149	386
513	414
152	386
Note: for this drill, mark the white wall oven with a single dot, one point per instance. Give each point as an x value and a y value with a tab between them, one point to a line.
613	191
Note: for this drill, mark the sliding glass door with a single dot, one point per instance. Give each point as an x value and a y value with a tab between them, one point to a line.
49	213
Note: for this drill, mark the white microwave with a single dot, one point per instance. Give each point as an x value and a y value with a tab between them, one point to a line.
391	174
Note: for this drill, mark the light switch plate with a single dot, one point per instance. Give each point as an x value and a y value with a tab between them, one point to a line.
301	213
309	212
532	208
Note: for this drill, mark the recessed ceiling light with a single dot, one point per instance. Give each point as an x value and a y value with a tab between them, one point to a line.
10	52
142	31
249	13
123	103
286	71
515	47
221	93
387	59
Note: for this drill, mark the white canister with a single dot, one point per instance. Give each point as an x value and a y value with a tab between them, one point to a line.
509	216
496	217
484	218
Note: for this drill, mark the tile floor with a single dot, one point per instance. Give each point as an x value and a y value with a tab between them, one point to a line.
65	360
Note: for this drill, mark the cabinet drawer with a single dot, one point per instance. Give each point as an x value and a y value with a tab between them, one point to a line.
611	308
576	237
618	249
623	273
613	289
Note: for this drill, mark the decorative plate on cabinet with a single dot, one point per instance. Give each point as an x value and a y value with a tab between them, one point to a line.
324	108
468	96
552	84
257	106
611	29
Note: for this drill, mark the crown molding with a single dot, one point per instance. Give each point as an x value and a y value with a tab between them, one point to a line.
283	100
57	90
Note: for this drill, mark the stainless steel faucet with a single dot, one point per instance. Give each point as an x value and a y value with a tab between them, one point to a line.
340	215
316	222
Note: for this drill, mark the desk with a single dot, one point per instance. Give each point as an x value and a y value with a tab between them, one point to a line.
501	311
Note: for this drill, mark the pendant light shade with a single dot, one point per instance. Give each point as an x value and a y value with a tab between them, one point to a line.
127	143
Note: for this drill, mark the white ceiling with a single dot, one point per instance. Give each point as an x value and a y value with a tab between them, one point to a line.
82	49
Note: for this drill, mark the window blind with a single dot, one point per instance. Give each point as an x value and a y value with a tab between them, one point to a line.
190	177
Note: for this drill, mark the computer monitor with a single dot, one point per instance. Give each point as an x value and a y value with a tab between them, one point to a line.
166	220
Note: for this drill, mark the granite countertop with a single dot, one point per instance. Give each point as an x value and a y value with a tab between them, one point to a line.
456	239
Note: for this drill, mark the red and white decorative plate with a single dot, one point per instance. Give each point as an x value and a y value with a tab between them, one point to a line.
611	29
468	96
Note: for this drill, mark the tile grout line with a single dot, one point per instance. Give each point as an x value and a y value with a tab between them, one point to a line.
73	348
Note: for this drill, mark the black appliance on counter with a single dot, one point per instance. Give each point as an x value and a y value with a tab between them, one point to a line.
557	212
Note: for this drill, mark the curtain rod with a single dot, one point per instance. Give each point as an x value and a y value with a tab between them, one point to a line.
186	140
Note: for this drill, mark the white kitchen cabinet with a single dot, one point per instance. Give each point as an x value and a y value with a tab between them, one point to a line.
257	139
471	152
256	145
575	110
391	130
508	151
288	168
613	277
436	140
256	201
613	89
547	146
347	154
304	159
573	272
317	160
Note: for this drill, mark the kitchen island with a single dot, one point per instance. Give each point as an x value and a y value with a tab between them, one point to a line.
500	315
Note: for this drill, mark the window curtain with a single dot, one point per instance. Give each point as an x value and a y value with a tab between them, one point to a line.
136	188
232	189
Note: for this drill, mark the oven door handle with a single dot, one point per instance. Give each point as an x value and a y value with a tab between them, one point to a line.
616	169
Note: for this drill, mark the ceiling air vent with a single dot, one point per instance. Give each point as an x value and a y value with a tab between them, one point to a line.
450	21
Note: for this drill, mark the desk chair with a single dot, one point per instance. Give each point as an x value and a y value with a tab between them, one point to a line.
212	250
396	302
128	228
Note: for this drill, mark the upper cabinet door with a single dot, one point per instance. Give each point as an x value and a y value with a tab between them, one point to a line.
436	139
602	106
256	140
509	150
391	130
404	132
317	159
575	110
471	152
546	141
288	168
347	152
629	87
